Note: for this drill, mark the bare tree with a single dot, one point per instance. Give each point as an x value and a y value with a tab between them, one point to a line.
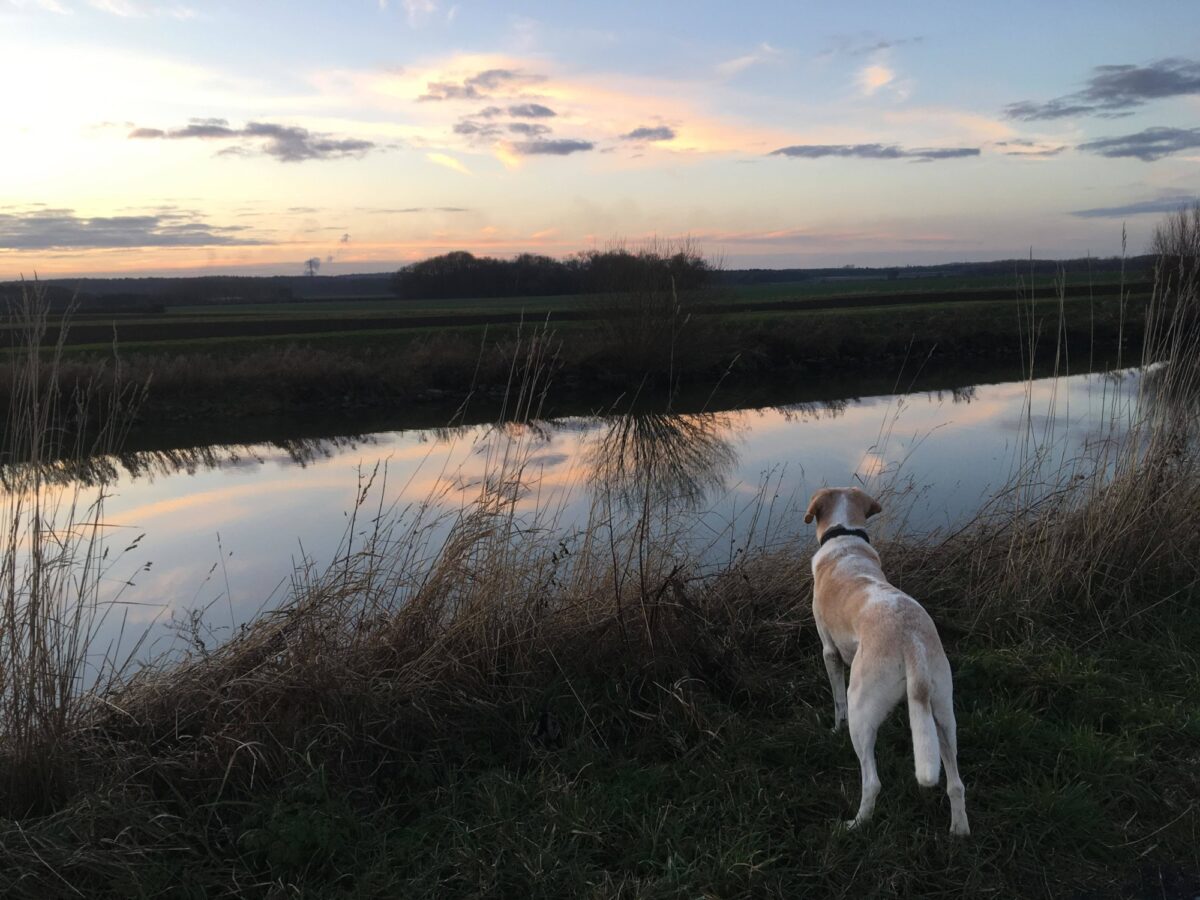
312	265
1176	243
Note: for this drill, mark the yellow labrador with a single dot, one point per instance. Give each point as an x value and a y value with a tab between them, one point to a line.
891	646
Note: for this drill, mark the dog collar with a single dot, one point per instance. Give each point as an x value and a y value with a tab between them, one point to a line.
843	531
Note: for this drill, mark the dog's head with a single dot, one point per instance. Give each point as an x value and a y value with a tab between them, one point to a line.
841	506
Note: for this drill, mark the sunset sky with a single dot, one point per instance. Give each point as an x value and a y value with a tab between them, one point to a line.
184	136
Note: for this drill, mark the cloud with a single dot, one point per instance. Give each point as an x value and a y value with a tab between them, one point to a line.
931	153
449	162
1148	145
478	86
125	9
648	133
444	90
419	10
49	229
48	5
530	111
139	9
1028	111
872	78
764	53
287	143
852	45
416	209
873	151
552	148
490	79
1019	147
1142	207
482	132
476	129
529	129
517	111
122	8
1114	90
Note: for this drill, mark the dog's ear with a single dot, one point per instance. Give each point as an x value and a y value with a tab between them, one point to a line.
873	507
814	507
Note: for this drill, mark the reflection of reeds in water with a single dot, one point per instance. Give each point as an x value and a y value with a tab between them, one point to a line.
662	456
1066	525
813	410
54	558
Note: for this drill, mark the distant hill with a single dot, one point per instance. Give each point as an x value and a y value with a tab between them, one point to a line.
1140	266
149	294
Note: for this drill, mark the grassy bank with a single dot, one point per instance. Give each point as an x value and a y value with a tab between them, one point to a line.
513	711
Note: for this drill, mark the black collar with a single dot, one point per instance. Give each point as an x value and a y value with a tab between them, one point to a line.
843	531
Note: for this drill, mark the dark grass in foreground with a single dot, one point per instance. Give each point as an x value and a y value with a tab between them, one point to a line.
513	711
692	790
703	767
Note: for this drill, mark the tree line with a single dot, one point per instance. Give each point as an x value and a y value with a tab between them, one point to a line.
460	274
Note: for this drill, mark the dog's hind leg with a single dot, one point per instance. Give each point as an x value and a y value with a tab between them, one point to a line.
871	698
837	678
943	716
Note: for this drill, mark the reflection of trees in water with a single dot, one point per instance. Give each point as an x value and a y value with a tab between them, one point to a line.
658	457
813	410
149	464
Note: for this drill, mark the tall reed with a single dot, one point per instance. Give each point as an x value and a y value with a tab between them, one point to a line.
54	555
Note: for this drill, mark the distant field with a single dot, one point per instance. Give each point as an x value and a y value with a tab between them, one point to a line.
216	362
387	321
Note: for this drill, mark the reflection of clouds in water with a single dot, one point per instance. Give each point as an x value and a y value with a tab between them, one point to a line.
549	460
952	445
871	466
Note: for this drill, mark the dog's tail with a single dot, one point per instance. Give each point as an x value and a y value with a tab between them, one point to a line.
920	716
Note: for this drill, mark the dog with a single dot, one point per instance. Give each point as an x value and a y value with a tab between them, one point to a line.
891	646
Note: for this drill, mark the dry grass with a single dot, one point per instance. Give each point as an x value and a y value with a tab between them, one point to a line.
53	559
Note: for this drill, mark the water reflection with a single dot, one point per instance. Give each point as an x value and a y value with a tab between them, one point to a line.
652	458
1171	396
93	471
812	410
633	456
258	508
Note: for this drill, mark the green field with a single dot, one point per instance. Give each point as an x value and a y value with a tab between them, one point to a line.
389	320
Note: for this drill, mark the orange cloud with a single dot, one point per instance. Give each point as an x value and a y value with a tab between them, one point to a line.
873	77
449	162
